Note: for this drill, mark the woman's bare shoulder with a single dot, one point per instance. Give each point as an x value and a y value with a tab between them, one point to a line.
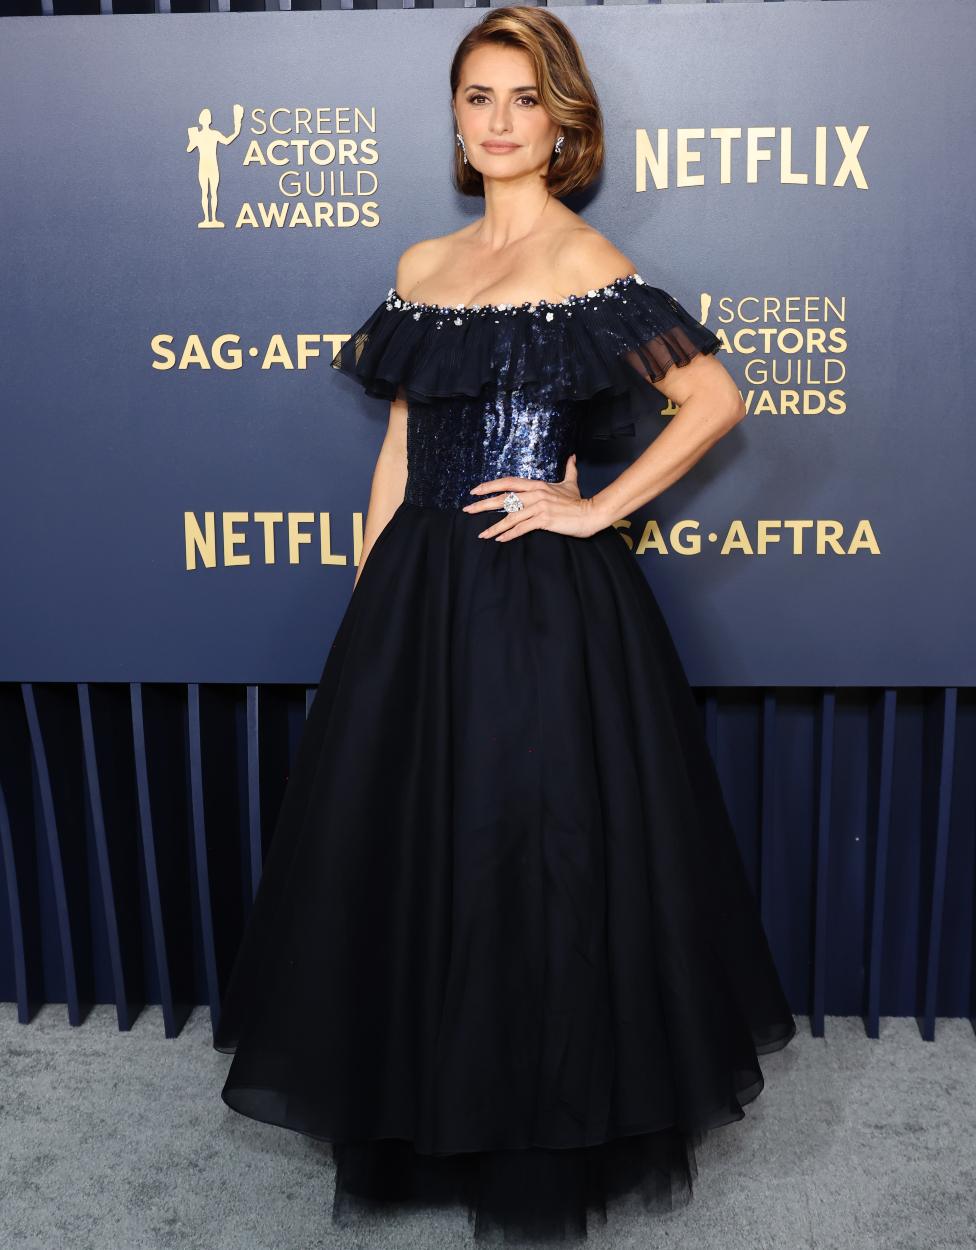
424	257
588	260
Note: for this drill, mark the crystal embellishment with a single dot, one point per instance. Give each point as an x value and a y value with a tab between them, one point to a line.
459	312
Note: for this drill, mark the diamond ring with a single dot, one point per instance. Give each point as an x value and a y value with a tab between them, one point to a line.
512	503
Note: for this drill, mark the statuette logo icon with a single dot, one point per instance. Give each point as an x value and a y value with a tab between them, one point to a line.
204	140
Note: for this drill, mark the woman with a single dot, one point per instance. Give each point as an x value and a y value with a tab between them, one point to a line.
504	952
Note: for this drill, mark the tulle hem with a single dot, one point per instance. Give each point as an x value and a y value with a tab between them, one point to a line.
531	1197
512	1195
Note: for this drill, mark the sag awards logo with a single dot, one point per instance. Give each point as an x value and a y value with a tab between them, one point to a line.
308	167
791	350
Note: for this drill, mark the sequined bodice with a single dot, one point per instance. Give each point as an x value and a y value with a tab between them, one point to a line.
456	442
453	444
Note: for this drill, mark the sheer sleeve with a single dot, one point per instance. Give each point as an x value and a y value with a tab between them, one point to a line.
648	332
377	375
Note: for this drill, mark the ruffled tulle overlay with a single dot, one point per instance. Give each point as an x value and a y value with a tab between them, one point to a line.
504	950
530	1197
601	349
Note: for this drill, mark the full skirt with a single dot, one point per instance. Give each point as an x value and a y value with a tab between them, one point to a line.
503	952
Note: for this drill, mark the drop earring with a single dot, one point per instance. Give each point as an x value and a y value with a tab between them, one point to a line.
463	148
559	145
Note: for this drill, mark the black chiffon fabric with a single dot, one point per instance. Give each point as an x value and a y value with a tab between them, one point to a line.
602	347
504	954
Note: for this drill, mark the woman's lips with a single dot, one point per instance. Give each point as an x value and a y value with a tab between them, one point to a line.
500	147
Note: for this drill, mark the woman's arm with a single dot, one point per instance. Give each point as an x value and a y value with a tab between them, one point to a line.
390	474
709	405
389	479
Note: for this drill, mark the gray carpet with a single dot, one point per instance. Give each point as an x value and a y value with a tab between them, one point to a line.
111	1140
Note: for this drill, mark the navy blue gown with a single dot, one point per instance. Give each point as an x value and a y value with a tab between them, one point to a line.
504	952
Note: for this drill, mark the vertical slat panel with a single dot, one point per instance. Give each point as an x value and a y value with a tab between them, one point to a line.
882	832
22	910
70	897
945	746
711	724
198	825
106	735
254	788
150	859
767	806
825	765
103	858
19	856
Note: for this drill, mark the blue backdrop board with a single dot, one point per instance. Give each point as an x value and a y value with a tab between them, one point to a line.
184	478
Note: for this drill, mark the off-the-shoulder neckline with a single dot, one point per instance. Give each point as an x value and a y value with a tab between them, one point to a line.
394	300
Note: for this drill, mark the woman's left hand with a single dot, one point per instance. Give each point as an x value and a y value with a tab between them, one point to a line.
556	506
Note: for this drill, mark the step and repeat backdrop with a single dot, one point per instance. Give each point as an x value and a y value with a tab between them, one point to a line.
196	212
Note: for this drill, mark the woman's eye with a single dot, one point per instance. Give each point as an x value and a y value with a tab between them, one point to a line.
473	99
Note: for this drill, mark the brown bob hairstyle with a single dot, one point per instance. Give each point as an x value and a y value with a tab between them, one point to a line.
565	91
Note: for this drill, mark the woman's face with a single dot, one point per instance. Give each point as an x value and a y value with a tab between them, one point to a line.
506	131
